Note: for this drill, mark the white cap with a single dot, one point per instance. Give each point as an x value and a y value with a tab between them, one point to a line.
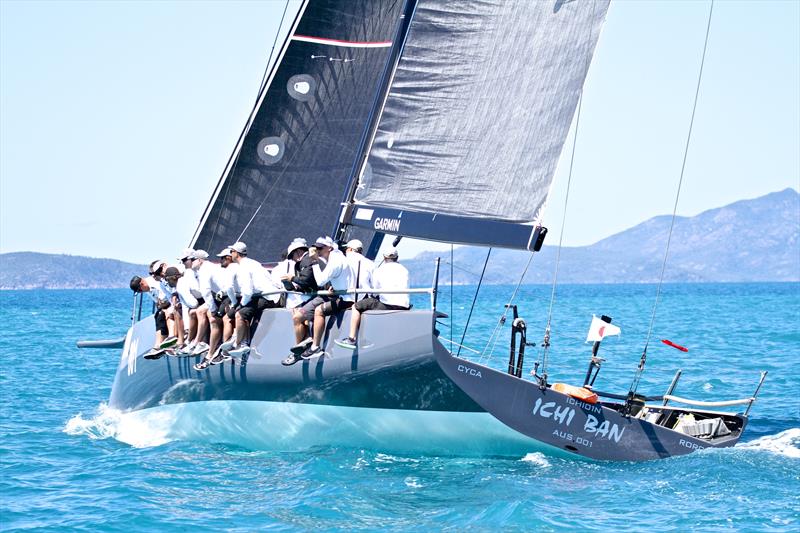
296	245
186	253
355	244
156	265
391	252
224	253
239	247
325	241
200	254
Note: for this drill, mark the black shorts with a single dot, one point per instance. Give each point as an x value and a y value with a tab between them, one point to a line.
371	304
161	322
335	305
255	306
307	308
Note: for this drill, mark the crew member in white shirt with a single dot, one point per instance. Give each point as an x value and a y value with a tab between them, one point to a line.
219	288
198	274
170	282
337	276
254	281
165	325
362	266
391	275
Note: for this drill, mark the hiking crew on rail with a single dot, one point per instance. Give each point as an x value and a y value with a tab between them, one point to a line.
212	310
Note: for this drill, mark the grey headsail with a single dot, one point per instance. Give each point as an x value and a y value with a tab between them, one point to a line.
290	170
474	123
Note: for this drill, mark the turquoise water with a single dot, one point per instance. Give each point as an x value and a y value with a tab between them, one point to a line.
65	465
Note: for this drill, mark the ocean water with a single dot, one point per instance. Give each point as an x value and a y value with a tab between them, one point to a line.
69	462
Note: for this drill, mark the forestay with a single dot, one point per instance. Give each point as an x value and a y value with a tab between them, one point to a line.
476	117
301	147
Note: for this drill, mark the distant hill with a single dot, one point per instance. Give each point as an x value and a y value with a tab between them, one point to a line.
749	240
31	270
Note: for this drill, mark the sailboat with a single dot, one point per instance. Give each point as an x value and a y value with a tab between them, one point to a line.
431	119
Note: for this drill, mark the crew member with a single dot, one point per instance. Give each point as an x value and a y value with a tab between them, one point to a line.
392	276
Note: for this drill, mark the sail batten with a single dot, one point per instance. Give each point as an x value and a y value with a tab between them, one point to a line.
479	108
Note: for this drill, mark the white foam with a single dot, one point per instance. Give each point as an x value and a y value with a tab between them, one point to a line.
293	426
785	443
537	458
137	429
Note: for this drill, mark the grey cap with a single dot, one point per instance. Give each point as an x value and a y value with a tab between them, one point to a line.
200	254
238	247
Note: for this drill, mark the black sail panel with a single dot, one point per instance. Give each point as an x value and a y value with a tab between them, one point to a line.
292	169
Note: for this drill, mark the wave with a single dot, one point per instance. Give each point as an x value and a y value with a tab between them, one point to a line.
786	443
138	429
276	426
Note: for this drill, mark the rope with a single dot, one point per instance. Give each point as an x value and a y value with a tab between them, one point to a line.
474	299
640	369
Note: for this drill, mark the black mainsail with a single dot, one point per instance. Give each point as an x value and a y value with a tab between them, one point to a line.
474	123
288	174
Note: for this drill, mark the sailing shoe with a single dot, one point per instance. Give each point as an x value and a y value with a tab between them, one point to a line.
240	350
154	353
169	342
230	343
313	352
221	357
349	343
292	359
301	346
200	349
202	365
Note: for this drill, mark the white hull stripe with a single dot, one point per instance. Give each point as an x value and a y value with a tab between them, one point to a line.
337	42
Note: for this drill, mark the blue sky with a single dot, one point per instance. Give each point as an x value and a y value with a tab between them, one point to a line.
116	118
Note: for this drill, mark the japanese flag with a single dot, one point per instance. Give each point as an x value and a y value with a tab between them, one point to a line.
600	330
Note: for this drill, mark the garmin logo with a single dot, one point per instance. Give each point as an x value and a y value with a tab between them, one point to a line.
469	371
387	224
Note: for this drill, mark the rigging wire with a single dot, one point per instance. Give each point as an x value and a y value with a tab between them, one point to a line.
451	293
474	299
640	368
543	354
487	353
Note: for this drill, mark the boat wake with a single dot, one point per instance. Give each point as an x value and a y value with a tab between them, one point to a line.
137	429
785	443
278	426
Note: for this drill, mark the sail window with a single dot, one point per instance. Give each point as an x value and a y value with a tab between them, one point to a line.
301	87
270	150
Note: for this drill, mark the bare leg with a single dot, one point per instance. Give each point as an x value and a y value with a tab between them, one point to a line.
319	326
227	327
202	324
355	322
299	326
179	326
216	330
242	329
192	323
